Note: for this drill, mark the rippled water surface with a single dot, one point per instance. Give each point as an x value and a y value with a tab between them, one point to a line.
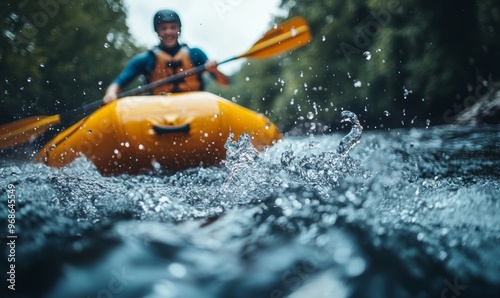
408	213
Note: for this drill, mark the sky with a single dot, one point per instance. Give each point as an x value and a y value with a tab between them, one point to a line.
221	28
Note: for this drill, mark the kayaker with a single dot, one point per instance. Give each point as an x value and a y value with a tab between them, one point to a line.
166	59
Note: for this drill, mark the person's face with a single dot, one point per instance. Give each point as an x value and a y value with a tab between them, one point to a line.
168	33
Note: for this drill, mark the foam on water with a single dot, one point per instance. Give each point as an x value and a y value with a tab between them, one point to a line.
404	214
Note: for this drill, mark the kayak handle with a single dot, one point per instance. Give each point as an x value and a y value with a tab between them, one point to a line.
171	129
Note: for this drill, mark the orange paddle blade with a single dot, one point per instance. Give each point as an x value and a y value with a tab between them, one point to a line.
284	37
24	130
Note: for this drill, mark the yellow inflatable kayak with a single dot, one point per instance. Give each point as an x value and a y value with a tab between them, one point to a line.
175	131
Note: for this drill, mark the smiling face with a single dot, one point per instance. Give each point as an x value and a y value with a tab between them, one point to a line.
168	33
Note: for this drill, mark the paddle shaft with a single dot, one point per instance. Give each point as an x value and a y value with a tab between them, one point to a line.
288	35
93	106
295	30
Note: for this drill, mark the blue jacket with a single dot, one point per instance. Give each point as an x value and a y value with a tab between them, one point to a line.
144	64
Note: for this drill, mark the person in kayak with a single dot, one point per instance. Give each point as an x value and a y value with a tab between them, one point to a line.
166	59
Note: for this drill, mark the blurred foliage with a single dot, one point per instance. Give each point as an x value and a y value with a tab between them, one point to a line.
394	63
59	54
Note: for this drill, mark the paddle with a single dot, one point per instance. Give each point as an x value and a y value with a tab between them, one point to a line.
283	37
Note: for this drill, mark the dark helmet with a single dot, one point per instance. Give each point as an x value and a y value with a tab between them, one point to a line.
166	15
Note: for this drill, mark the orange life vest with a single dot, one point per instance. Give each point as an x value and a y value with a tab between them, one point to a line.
166	66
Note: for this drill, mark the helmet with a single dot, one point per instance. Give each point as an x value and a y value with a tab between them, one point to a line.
166	15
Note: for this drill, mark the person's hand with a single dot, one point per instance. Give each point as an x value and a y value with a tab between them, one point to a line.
109	97
211	65
111	94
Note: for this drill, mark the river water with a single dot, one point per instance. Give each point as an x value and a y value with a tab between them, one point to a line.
407	213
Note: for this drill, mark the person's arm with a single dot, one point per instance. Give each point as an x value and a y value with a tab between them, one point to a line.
135	67
200	58
211	66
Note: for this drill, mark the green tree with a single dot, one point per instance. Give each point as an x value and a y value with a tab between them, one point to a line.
394	63
437	49
59	54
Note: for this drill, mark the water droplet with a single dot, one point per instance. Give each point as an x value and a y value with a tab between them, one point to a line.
352	138
293	32
29	79
406	92
442	255
378	50
367	55
247	79
156	165
99	83
141	147
42	65
386	113
427	123
356	266
323	38
177	270
267	125
357	83
89	132
310	115
106	45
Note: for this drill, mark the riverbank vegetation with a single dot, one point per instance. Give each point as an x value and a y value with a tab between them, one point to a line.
394	63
